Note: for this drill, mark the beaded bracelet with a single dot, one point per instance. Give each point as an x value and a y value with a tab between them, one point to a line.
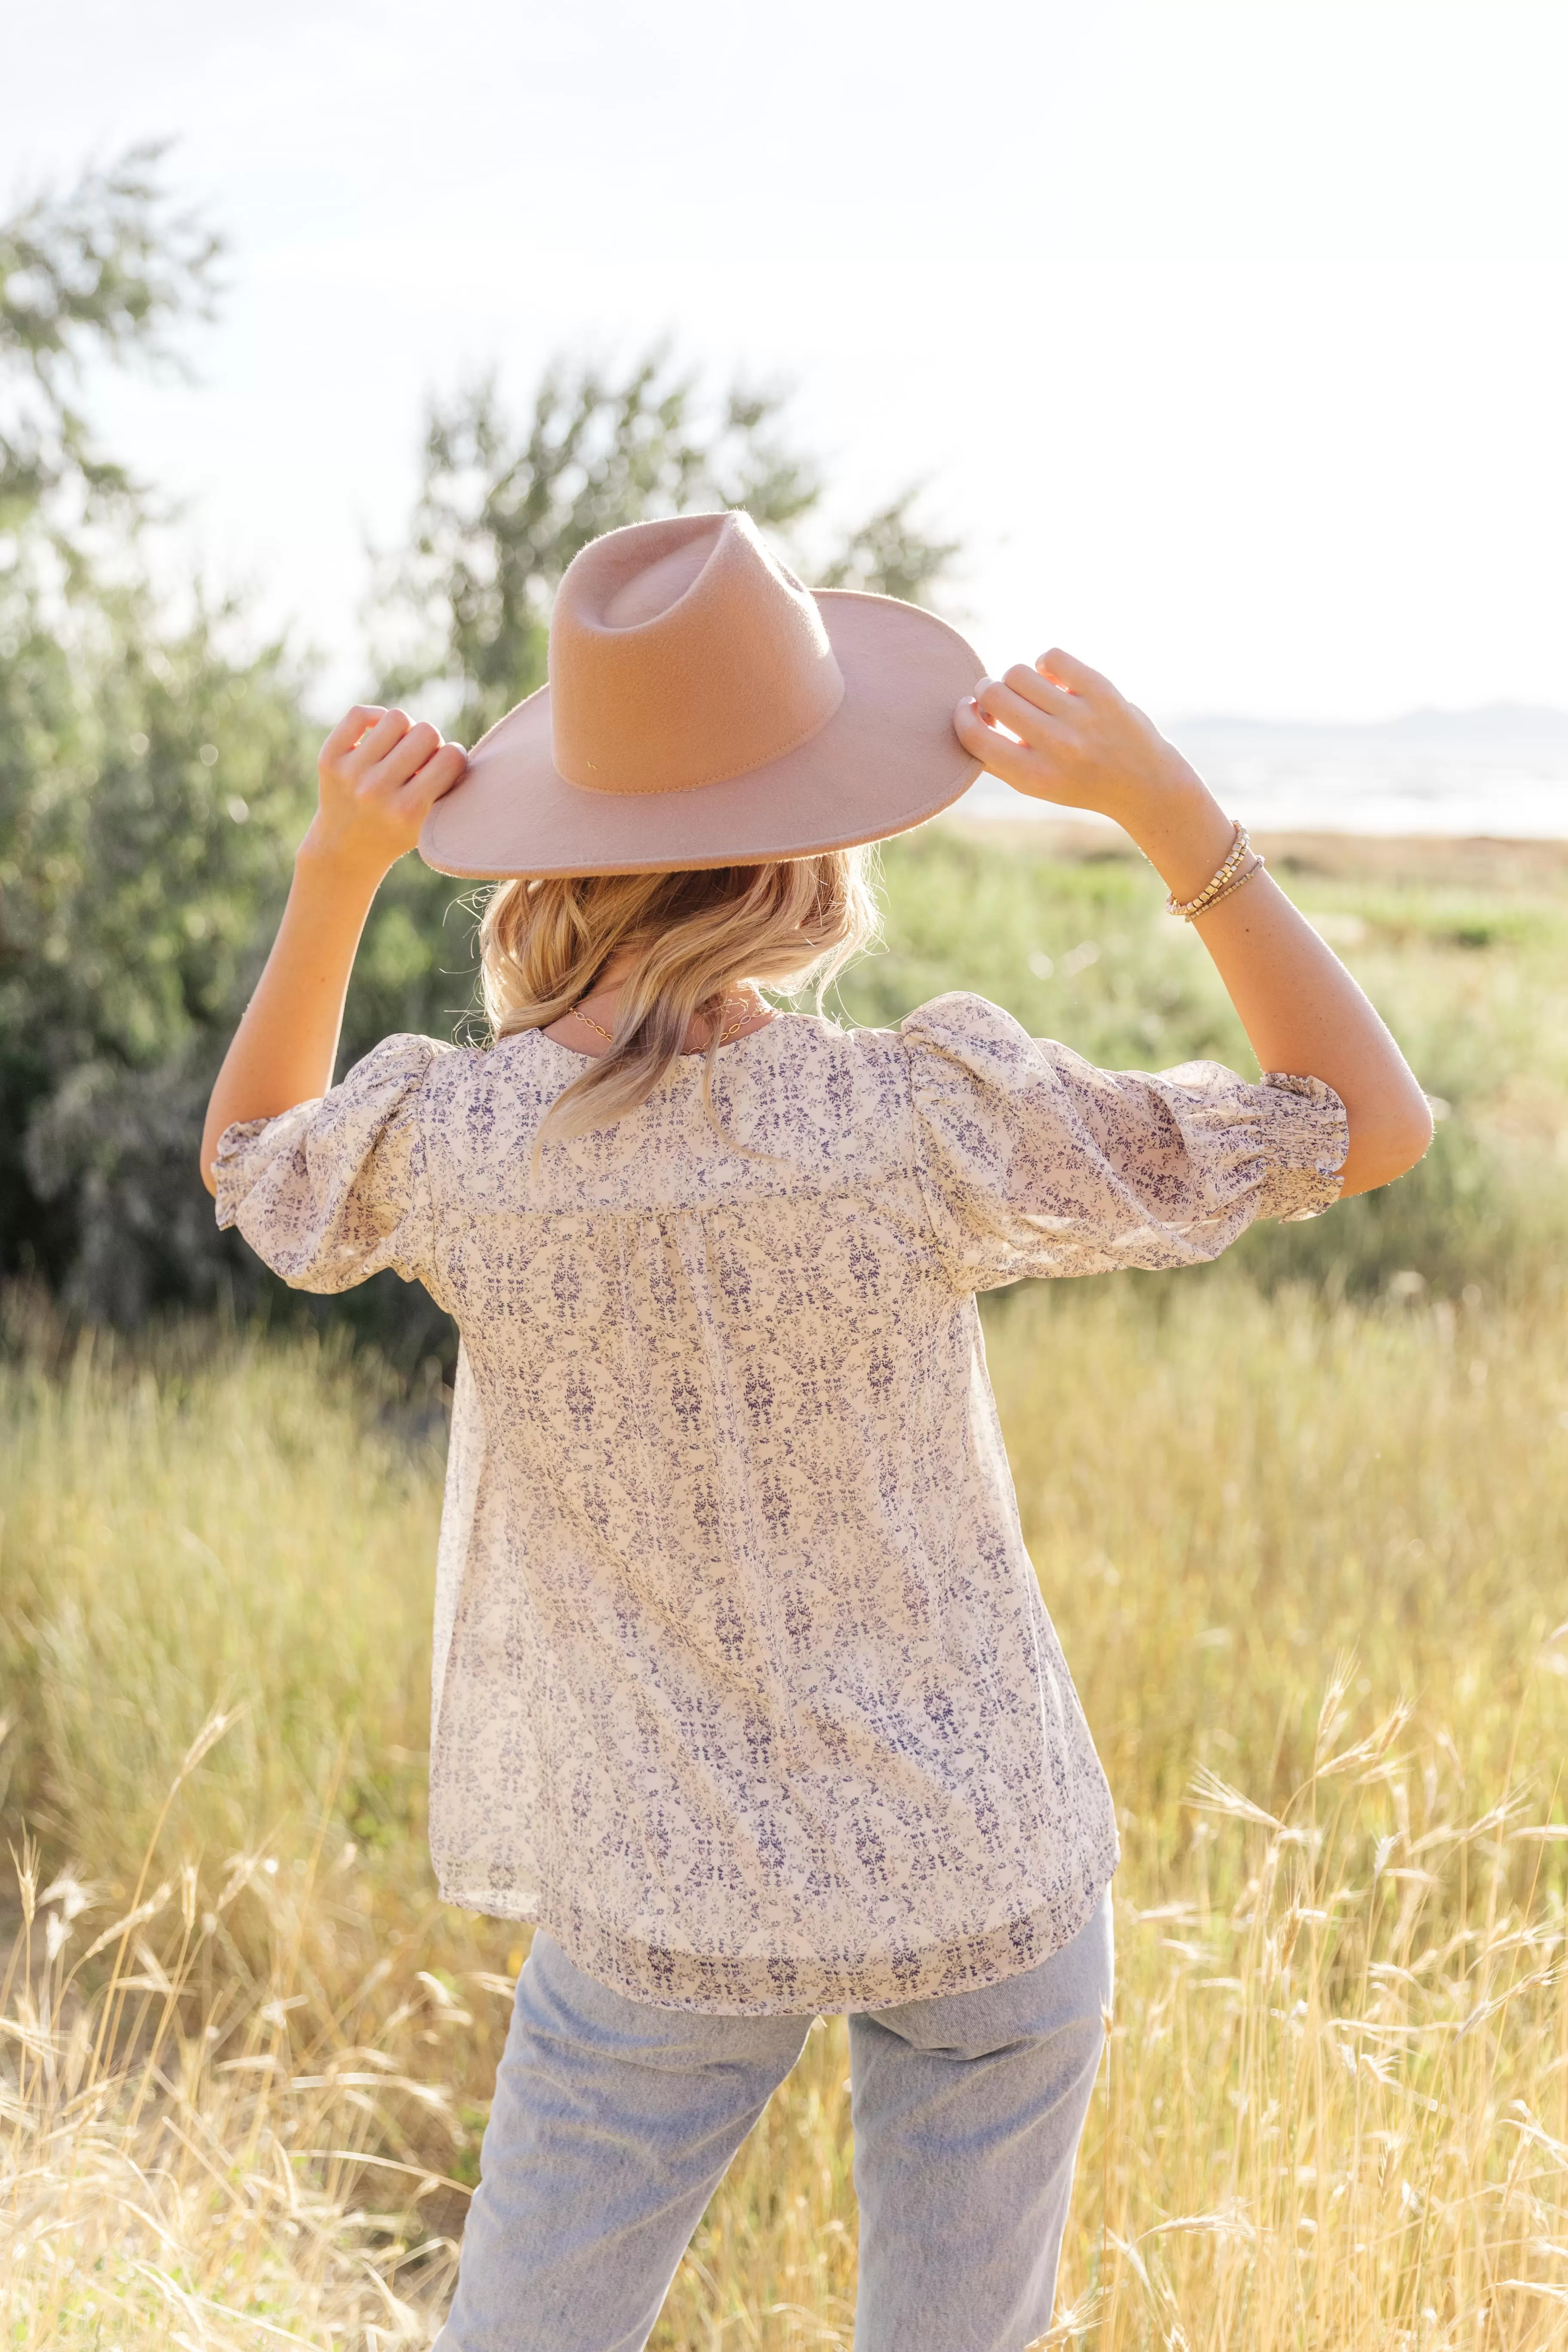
1240	844
1237	882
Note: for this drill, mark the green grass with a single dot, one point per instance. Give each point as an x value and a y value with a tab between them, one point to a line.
1301	1527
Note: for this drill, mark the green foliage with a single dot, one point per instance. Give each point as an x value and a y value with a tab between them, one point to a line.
150	799
502	512
151	779
103	271
889	555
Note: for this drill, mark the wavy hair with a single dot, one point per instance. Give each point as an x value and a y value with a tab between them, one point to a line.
692	937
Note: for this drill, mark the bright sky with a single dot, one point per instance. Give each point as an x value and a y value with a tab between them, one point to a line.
1232	334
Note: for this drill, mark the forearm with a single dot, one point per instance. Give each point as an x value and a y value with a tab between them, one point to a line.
379	777
1301	1009
284	1050
1060	732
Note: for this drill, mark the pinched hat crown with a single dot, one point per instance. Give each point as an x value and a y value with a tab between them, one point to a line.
682	653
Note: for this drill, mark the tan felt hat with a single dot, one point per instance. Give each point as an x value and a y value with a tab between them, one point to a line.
704	708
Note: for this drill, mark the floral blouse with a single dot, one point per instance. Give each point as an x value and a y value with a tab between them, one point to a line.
744	1686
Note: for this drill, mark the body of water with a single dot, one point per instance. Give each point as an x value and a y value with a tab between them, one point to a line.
1501	771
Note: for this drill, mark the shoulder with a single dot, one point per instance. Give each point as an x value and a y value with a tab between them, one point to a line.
454	1092
959	1019
482	1106
405	1060
961	1039
810	1042
807	1086
400	1082
448	1073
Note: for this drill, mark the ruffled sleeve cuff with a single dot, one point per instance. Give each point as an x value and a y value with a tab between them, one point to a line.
1305	1147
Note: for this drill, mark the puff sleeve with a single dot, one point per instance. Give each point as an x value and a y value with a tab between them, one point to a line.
1035	1163
333	1190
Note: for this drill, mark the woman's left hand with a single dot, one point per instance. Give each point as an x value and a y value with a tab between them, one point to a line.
380	775
1079	742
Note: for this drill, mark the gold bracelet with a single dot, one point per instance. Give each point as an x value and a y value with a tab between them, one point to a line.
1241	841
1237	882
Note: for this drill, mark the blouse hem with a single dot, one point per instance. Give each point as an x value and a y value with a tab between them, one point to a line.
719	1985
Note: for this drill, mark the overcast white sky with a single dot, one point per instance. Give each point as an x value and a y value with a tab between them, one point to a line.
1233	336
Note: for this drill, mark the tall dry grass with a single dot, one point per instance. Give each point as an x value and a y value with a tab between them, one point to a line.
1308	1564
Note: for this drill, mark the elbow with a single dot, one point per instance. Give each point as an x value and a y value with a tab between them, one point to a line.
1395	1154
1386	1146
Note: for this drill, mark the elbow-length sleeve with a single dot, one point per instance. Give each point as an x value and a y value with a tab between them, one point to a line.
333	1190
1035	1163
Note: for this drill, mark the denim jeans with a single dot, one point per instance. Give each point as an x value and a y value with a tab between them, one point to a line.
614	2122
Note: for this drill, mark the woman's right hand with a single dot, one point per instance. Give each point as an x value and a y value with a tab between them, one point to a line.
380	775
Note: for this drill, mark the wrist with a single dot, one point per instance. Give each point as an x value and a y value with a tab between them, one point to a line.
1183	832
345	870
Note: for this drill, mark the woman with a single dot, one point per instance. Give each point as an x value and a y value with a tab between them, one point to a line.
743	1690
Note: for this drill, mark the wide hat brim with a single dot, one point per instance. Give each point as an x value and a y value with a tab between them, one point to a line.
887	760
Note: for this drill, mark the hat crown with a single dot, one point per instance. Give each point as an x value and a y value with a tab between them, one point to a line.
681	652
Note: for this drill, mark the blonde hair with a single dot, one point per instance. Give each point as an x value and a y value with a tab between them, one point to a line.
692	937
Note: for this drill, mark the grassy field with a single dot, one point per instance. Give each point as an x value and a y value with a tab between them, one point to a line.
1302	1520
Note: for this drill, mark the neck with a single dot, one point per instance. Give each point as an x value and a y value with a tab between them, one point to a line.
743	1010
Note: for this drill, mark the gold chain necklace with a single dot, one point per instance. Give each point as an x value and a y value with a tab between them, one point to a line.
733	1030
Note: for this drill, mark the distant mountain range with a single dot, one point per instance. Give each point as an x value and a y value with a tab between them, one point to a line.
1501	770
1509	734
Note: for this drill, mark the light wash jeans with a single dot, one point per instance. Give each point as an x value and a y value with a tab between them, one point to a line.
614	2122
